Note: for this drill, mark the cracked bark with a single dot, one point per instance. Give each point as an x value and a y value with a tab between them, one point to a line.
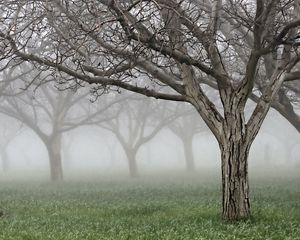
234	156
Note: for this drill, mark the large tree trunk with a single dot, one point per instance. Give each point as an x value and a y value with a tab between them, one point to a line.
189	156
132	164
234	156
55	159
235	185
4	159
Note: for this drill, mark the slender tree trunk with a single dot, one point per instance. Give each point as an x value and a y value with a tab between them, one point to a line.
132	164
4	159
55	159
189	156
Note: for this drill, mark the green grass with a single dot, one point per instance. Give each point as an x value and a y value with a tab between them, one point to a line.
185	208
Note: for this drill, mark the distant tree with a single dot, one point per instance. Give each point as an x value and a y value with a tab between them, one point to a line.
185	128
50	113
176	44
287	140
138	121
111	146
8	132
289	146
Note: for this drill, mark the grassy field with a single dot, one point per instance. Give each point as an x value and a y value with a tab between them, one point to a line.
177	207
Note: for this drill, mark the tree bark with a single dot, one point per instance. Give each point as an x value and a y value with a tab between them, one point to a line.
132	164
235	185
285	107
234	156
55	159
189	156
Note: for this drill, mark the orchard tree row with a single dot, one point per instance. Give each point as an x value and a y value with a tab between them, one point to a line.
171	50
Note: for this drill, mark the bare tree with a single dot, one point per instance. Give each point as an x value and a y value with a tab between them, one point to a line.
185	128
286	102
8	133
287	140
176	44
50	113
138	121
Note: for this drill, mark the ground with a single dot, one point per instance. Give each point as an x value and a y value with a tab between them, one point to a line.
174	207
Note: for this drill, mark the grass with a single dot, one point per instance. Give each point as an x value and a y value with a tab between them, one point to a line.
160	208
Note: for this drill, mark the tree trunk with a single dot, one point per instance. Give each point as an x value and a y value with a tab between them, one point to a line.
189	156
285	107
4	159
235	185
55	160
132	165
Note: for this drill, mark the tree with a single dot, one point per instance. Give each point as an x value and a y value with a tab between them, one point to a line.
50	113
287	139
185	128
8	133
288	95
176	44
287	103
138	121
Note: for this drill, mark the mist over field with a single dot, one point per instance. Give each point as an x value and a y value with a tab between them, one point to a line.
89	152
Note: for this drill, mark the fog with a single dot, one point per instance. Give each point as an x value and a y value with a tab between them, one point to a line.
97	94
90	152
